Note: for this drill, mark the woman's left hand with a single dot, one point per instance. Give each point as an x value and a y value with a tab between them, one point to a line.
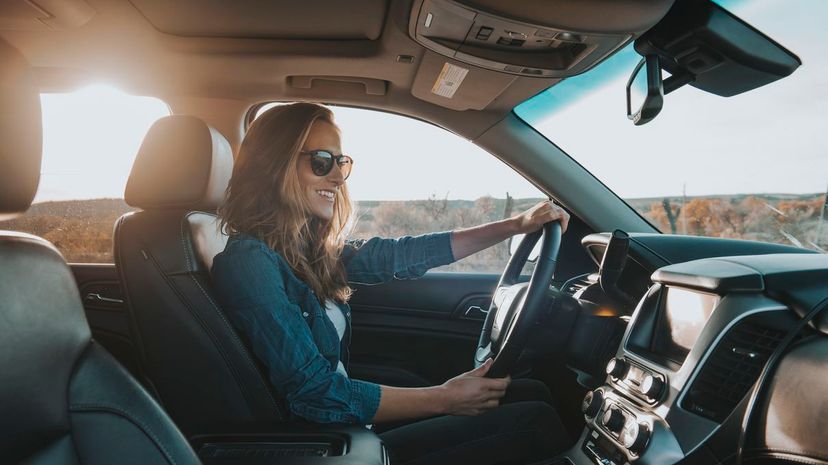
534	218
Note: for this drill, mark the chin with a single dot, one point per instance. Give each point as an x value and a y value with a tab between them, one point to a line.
324	214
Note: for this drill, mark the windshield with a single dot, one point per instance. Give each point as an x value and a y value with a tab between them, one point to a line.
753	166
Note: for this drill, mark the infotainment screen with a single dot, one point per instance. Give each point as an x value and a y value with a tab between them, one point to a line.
681	319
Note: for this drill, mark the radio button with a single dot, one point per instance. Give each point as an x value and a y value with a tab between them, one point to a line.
652	386
617	368
635	437
593	401
613	419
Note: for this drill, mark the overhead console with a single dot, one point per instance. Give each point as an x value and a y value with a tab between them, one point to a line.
553	38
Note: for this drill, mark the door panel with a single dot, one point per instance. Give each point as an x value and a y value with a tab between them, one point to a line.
416	332
106	311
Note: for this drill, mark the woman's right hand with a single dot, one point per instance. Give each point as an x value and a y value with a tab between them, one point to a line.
471	393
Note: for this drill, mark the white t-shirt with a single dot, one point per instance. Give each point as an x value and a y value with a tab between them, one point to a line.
338	319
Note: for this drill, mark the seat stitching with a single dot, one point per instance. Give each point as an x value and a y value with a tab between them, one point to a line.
234	337
92	407
811	454
200	321
134	332
787	458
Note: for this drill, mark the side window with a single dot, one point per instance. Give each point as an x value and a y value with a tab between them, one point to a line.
411	177
90	139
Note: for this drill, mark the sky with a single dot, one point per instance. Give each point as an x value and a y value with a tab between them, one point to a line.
771	139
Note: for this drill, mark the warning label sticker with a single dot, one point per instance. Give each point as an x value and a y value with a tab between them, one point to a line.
449	80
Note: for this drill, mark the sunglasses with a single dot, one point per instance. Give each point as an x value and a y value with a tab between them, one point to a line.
322	162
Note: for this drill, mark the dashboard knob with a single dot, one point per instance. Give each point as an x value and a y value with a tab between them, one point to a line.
652	386
613	419
592	403
617	368
635	436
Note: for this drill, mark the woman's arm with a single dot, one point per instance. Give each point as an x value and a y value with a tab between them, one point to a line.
468	394
379	260
465	242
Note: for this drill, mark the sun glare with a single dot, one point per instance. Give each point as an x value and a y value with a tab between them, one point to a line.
90	139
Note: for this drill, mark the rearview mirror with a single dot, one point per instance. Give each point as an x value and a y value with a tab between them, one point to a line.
645	91
701	44
515	241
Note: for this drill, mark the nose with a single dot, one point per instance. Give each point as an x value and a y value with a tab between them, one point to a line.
336	176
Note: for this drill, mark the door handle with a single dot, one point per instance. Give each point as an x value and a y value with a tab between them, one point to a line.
95	297
476	311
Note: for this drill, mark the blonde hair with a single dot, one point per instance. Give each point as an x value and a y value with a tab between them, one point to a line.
264	199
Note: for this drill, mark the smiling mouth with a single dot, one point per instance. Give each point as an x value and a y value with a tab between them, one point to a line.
326	194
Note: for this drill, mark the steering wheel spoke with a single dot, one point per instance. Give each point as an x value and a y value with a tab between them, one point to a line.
517	306
499	296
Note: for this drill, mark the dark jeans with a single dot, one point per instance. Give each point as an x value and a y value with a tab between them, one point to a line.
524	428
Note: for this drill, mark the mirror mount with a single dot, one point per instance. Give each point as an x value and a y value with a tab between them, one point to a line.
677	80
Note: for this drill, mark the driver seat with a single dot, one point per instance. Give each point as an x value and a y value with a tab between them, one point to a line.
63	398
202	371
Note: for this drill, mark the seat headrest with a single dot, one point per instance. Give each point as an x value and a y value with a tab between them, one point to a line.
20	131
43	331
182	163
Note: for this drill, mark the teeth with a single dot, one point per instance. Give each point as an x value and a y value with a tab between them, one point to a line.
327	194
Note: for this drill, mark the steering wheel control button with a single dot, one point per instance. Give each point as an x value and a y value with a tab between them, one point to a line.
613	419
617	368
483	353
593	401
652	386
635	437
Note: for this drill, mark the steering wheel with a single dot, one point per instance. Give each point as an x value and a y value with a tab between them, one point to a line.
517	306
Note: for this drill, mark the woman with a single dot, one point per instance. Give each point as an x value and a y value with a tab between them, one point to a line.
283	281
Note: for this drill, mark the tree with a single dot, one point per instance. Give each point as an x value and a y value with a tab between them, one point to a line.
671	215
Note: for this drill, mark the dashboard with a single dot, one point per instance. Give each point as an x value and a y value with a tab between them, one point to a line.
696	338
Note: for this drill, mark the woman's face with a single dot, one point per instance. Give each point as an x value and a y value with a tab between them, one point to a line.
320	191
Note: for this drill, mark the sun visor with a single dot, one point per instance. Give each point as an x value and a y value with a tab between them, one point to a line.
305	20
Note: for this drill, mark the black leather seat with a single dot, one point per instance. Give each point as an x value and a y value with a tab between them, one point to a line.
202	372
63	399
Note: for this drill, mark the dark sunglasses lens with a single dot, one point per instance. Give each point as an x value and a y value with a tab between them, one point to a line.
321	162
345	164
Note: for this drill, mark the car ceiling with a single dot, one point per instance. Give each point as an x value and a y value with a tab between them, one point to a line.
252	51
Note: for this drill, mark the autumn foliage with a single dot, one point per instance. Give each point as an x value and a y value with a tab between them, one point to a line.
82	230
782	219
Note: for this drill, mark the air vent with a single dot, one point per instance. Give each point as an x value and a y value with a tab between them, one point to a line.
731	370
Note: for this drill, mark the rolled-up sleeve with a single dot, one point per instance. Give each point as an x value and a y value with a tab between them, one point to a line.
250	283
380	260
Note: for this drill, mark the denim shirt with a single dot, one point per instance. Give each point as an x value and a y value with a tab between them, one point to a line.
288	330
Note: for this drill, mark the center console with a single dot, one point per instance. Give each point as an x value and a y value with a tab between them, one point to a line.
286	444
692	350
